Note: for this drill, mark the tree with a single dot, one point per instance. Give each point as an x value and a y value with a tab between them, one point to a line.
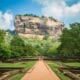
4	49
46	37
2	36
30	50
70	40
17	46
17	41
5	52
52	51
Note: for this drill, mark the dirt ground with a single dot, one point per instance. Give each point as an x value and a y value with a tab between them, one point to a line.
40	71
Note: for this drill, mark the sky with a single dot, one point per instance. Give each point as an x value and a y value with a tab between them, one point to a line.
67	11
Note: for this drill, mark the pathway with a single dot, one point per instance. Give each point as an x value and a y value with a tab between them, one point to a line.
40	71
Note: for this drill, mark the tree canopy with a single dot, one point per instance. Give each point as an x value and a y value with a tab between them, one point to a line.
70	40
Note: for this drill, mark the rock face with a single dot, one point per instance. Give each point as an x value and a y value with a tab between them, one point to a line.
30	26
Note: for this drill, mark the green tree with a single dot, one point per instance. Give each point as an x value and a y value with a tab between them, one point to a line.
30	50
17	46
2	36
52	51
70	40
46	37
4	49
5	52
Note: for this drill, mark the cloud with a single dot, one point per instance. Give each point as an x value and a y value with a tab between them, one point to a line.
6	20
60	10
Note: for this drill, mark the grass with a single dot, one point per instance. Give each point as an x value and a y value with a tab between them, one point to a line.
18	64
28	66
13	71
54	66
18	77
73	64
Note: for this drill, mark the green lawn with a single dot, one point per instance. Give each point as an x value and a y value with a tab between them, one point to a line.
18	64
54	66
28	66
73	64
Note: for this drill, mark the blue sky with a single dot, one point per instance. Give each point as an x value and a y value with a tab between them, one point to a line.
67	11
20	6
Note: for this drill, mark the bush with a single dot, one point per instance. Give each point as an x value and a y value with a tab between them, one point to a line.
5	52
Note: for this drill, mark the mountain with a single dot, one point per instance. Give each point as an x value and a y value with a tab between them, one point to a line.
31	26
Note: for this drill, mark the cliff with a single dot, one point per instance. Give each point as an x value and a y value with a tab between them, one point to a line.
32	26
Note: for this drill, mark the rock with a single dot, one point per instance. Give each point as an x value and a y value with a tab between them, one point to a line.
32	26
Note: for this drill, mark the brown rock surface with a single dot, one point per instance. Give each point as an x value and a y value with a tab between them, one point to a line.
30	26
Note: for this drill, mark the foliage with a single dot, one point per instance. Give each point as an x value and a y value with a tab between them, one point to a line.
52	52
17	47
20	48
31	15
46	37
4	49
41	46
2	36
30	51
43	16
12	32
5	52
17	41
70	40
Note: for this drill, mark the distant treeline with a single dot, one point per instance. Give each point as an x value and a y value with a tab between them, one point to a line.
33	15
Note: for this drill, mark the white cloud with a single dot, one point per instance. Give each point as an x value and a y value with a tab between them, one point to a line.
6	20
60	10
